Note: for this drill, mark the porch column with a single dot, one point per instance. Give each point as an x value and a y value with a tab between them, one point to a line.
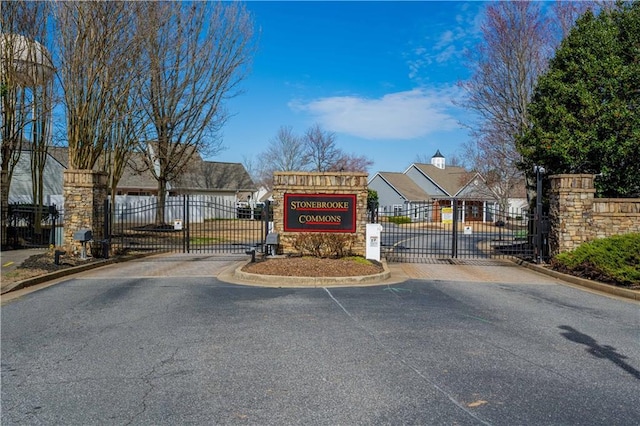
484	211
463	210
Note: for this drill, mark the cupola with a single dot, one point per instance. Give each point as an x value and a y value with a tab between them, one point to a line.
438	160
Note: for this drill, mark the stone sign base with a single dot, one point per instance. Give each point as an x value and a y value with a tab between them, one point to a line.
320	203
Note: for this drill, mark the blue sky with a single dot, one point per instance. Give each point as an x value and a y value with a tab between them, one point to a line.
381	75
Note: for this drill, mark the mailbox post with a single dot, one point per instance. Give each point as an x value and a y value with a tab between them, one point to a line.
374	231
272	242
84	236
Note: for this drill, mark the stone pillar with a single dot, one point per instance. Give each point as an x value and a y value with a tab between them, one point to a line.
320	183
570	211
85	192
4	206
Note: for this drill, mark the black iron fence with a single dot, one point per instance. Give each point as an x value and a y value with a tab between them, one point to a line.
30	225
460	229
188	224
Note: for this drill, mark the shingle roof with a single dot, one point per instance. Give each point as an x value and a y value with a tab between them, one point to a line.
137	175
405	186
212	175
201	175
61	154
451	178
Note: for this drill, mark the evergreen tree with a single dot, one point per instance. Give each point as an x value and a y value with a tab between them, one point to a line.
585	112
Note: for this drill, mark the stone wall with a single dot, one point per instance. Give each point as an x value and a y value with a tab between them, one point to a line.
319	183
576	216
85	192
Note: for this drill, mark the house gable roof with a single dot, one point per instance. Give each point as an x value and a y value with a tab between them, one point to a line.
404	186
210	175
476	188
450	179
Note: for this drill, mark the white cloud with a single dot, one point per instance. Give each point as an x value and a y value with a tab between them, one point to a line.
402	115
445	41
445	46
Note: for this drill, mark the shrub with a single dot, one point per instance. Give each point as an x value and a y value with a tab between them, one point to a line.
399	220
615	260
324	245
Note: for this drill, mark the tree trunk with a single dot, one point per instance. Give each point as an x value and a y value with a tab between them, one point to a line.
162	197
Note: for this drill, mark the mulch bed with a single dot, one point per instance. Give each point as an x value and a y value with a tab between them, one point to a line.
313	267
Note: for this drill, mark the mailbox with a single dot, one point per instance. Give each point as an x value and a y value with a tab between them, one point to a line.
83	235
273	239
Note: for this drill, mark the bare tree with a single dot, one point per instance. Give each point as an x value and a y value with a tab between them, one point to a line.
126	132
323	155
27	93
198	53
351	163
514	50
93	47
26	70
321	150
43	103
125	109
286	152
518	40
40	142
566	13
315	151
257	171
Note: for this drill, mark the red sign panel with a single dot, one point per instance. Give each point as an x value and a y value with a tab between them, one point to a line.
320	212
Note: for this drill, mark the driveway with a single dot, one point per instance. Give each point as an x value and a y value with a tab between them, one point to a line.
162	341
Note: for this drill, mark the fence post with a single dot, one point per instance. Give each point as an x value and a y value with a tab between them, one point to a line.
267	211
106	242
52	234
186	238
538	216
454	239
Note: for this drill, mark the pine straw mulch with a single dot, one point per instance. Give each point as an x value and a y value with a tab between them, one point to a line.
314	267
43	263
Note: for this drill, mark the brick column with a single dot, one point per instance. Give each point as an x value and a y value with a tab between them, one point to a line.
84	194
570	211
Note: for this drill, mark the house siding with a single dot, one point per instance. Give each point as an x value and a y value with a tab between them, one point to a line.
21	189
387	196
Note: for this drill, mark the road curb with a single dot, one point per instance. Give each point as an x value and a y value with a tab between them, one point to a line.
236	275
593	285
70	271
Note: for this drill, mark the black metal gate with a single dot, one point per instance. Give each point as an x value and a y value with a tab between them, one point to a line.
192	224
451	229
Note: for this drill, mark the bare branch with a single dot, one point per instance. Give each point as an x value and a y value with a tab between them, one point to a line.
95	40
198	53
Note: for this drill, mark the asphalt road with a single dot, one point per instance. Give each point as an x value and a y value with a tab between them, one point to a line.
408	242
108	349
